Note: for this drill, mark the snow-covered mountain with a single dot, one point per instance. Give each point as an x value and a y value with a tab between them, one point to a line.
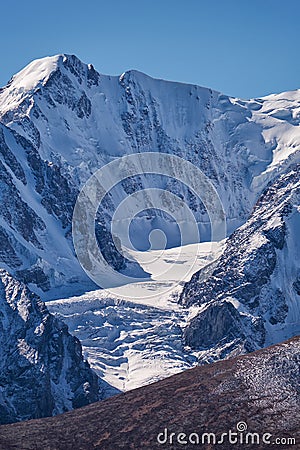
62	120
42	370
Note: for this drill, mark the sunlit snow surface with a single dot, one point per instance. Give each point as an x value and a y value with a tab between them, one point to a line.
132	335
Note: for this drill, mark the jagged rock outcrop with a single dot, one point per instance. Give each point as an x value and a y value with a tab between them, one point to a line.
42	370
219	324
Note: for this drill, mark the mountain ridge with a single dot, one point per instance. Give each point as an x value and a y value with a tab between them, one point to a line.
255	279
208	399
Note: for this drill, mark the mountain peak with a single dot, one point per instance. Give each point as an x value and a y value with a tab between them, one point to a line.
35	72
39	72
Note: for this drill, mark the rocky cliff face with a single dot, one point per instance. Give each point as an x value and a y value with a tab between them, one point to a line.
62	120
249	297
42	371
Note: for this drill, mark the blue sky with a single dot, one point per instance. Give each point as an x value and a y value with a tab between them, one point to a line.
246	48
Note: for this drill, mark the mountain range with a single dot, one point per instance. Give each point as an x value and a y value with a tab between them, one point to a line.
60	121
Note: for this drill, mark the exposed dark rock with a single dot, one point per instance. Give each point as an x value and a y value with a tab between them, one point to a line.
218	324
93	77
277	235
60	89
279	307
42	368
34	275
7	253
108	249
10	159
19	215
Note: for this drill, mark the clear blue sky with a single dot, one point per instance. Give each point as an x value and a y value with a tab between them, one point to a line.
246	48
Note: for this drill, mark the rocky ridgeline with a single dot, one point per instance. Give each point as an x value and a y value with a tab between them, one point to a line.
255	398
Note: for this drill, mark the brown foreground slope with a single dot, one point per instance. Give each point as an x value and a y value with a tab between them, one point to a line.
259	391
